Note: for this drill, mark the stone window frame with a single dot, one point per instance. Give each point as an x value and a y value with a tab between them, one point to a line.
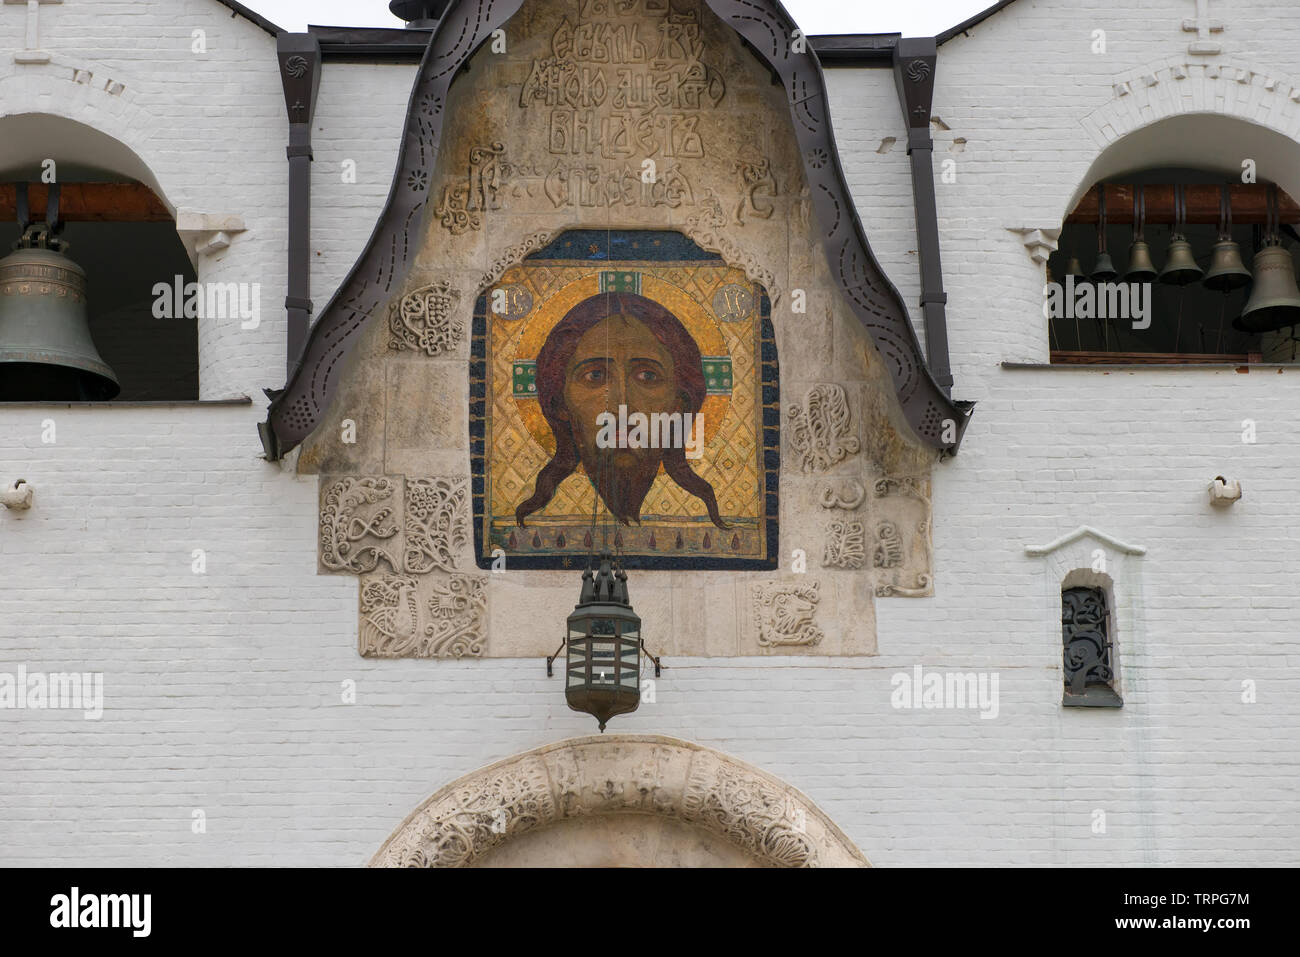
1092	558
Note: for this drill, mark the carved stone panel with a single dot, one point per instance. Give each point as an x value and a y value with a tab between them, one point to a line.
821	429
784	611
359	521
435	616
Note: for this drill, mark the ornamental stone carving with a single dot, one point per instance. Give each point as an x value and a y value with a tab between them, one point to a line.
846	545
425	320
761	818
437	523
889	546
565	789
821	430
357	522
404	616
847	494
783	613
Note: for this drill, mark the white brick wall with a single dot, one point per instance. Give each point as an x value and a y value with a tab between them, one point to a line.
223	690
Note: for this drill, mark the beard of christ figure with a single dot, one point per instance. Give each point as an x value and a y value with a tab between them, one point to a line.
610	350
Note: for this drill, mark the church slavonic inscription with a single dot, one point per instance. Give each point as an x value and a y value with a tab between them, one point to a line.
615	87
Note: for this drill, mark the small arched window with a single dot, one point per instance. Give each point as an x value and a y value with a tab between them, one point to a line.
1089	652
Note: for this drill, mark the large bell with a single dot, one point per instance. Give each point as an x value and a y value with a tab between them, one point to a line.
1227	271
1180	269
1275	300
46	351
1140	267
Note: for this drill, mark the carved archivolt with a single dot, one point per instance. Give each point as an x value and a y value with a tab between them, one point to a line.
426	320
783	612
821	432
619	774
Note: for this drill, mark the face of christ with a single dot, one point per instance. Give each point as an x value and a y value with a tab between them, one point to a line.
619	362
611	357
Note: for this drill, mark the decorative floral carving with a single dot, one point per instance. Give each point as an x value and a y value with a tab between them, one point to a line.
758	817
846	545
784	613
910	485
424	319
889	548
437	523
407	617
352	511
821	430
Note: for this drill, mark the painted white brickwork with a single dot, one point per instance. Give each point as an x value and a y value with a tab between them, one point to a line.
223	689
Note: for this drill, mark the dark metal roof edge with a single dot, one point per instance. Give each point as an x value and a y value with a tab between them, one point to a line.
965	25
405	44
252	16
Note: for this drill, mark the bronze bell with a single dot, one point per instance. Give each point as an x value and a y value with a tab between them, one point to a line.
1072	267
1140	267
46	351
1275	300
1103	270
1180	269
1227	271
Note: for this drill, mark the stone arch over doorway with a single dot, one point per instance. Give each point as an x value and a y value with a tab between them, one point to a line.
619	800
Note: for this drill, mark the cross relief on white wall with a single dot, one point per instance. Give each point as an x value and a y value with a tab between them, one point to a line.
1202	25
33	52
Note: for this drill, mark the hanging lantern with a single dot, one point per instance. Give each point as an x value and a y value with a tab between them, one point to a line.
602	675
1180	268
1227	272
46	351
1275	300
1103	270
1140	267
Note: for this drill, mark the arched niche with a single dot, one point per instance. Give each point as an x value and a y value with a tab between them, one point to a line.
619	800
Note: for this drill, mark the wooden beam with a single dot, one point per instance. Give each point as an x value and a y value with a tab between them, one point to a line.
88	203
1248	204
1061	357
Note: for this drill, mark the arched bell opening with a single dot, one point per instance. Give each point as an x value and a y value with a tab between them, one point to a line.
83	315
1159	259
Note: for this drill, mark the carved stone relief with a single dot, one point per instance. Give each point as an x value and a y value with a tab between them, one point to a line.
639	776
821	430
903	551
426	319
783	613
846	545
419	527
358	523
437	523
405	616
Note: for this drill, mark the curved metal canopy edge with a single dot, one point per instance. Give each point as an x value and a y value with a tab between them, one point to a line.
378	273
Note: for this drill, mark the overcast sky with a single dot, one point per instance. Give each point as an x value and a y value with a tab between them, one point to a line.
917	18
